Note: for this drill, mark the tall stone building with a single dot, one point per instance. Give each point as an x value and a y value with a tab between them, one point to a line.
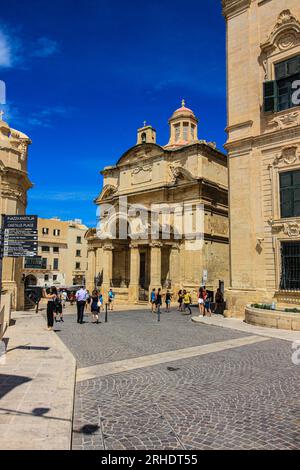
14	184
62	255
263	57
187	171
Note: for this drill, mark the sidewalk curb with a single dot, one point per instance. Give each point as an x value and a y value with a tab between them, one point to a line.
72	357
284	335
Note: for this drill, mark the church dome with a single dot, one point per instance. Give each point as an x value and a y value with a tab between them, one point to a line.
183	127
183	110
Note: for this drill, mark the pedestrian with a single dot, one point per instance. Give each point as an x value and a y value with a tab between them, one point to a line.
72	298
180	300
64	297
187	300
50	294
158	301
88	299
168	300
204	298
101	302
219	299
58	308
207	304
95	306
111	298
153	300
201	301
81	300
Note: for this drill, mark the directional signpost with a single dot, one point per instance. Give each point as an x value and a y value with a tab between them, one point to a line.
18	237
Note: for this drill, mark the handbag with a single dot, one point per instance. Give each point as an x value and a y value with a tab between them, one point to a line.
99	304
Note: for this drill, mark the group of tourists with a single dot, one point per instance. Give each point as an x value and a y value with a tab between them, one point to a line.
84	301
157	299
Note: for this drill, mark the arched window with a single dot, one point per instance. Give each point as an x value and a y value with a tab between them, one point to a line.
144	137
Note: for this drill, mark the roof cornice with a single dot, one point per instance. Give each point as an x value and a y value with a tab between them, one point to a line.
234	7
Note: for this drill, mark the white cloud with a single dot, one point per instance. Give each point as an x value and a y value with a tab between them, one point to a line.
44	47
15	50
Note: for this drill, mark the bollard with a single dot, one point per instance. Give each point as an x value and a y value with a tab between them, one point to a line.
106	308
158	313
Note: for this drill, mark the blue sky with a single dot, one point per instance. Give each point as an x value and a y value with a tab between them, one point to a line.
82	76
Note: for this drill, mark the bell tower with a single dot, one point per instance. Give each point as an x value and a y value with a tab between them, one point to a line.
146	135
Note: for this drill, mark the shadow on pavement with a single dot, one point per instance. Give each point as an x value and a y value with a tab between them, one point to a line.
9	382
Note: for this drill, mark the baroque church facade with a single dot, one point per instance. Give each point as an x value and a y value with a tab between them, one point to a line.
263	87
14	184
187	172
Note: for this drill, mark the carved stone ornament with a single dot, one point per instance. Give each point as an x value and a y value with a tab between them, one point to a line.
285	34
289	155
292	229
13	192
145	168
284	121
179	173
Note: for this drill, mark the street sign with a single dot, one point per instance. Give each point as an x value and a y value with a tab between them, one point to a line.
20	236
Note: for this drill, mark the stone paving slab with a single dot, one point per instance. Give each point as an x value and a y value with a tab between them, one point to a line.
239	325
37	383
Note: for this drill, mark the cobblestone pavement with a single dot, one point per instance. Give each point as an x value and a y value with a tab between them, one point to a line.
242	398
134	334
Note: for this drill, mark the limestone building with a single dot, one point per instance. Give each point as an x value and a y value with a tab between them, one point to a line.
263	57
14	184
157	180
62	255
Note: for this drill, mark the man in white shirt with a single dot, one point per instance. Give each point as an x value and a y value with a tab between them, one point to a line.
81	296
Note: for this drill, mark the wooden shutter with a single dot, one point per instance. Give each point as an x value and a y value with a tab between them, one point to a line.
270	96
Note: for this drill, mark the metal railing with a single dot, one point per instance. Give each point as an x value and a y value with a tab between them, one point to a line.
290	266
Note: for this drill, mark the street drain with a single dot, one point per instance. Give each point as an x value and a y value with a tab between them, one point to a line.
173	369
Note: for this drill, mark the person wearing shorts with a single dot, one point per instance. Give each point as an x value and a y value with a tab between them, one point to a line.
201	301
153	300
111	297
187	302
168	301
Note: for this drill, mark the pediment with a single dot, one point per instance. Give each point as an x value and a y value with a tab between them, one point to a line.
90	233
140	153
108	191
285	34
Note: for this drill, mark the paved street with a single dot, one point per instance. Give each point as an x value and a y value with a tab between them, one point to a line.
180	385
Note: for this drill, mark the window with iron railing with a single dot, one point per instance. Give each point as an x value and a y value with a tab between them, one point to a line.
290	266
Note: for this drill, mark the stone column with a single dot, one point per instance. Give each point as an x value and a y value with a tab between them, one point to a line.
107	269
90	281
133	293
155	265
175	268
